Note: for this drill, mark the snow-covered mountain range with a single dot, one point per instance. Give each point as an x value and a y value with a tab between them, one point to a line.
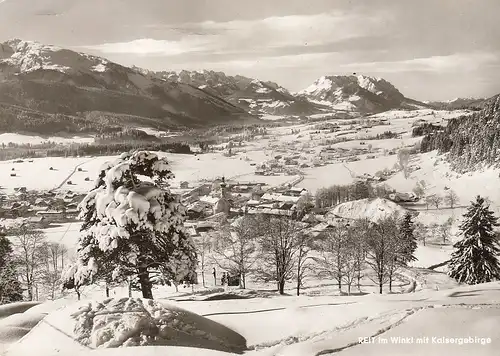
252	95
46	80
359	93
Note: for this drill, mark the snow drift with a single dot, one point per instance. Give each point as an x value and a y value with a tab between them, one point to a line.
14	308
126	322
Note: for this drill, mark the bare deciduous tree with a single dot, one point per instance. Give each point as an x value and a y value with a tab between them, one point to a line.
343	254
351	267
444	230
404	161
278	237
304	266
434	200
451	198
203	246
382	250
28	244
52	257
420	232
333	254
358	236
236	246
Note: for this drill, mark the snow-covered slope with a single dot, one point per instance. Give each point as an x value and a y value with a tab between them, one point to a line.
292	326
358	93
371	209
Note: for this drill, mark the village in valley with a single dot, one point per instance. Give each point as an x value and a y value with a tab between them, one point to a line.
224	178
206	200
272	173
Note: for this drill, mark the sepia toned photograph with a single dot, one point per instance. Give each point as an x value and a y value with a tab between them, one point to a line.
252	178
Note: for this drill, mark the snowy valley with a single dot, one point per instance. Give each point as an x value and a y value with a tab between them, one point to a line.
275	171
171	211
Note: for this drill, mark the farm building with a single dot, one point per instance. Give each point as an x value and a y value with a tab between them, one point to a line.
52	216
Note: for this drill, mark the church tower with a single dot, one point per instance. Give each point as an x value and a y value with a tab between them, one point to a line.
223	205
223	187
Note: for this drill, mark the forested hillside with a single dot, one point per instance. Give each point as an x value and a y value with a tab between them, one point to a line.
471	141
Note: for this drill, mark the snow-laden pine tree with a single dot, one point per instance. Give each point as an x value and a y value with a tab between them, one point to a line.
10	287
408	239
133	226
475	259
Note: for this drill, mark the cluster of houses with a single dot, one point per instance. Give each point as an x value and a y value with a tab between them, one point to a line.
208	203
224	201
283	165
40	208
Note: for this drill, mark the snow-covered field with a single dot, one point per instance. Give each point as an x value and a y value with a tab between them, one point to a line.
343	173
6	138
209	166
37	173
185	167
299	326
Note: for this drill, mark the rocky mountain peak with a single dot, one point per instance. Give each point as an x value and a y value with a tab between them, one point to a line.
357	93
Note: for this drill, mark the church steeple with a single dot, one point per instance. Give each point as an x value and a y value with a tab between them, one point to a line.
223	186
223	204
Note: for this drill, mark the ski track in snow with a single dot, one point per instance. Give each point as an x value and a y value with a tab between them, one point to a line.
357	323
276	309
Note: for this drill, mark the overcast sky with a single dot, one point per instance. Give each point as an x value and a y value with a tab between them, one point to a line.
429	49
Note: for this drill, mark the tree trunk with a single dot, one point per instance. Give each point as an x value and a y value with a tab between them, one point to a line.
29	287
242	281
203	277
107	291
130	288
281	286
298	278
380	284
390	283
277	273
145	283
349	289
